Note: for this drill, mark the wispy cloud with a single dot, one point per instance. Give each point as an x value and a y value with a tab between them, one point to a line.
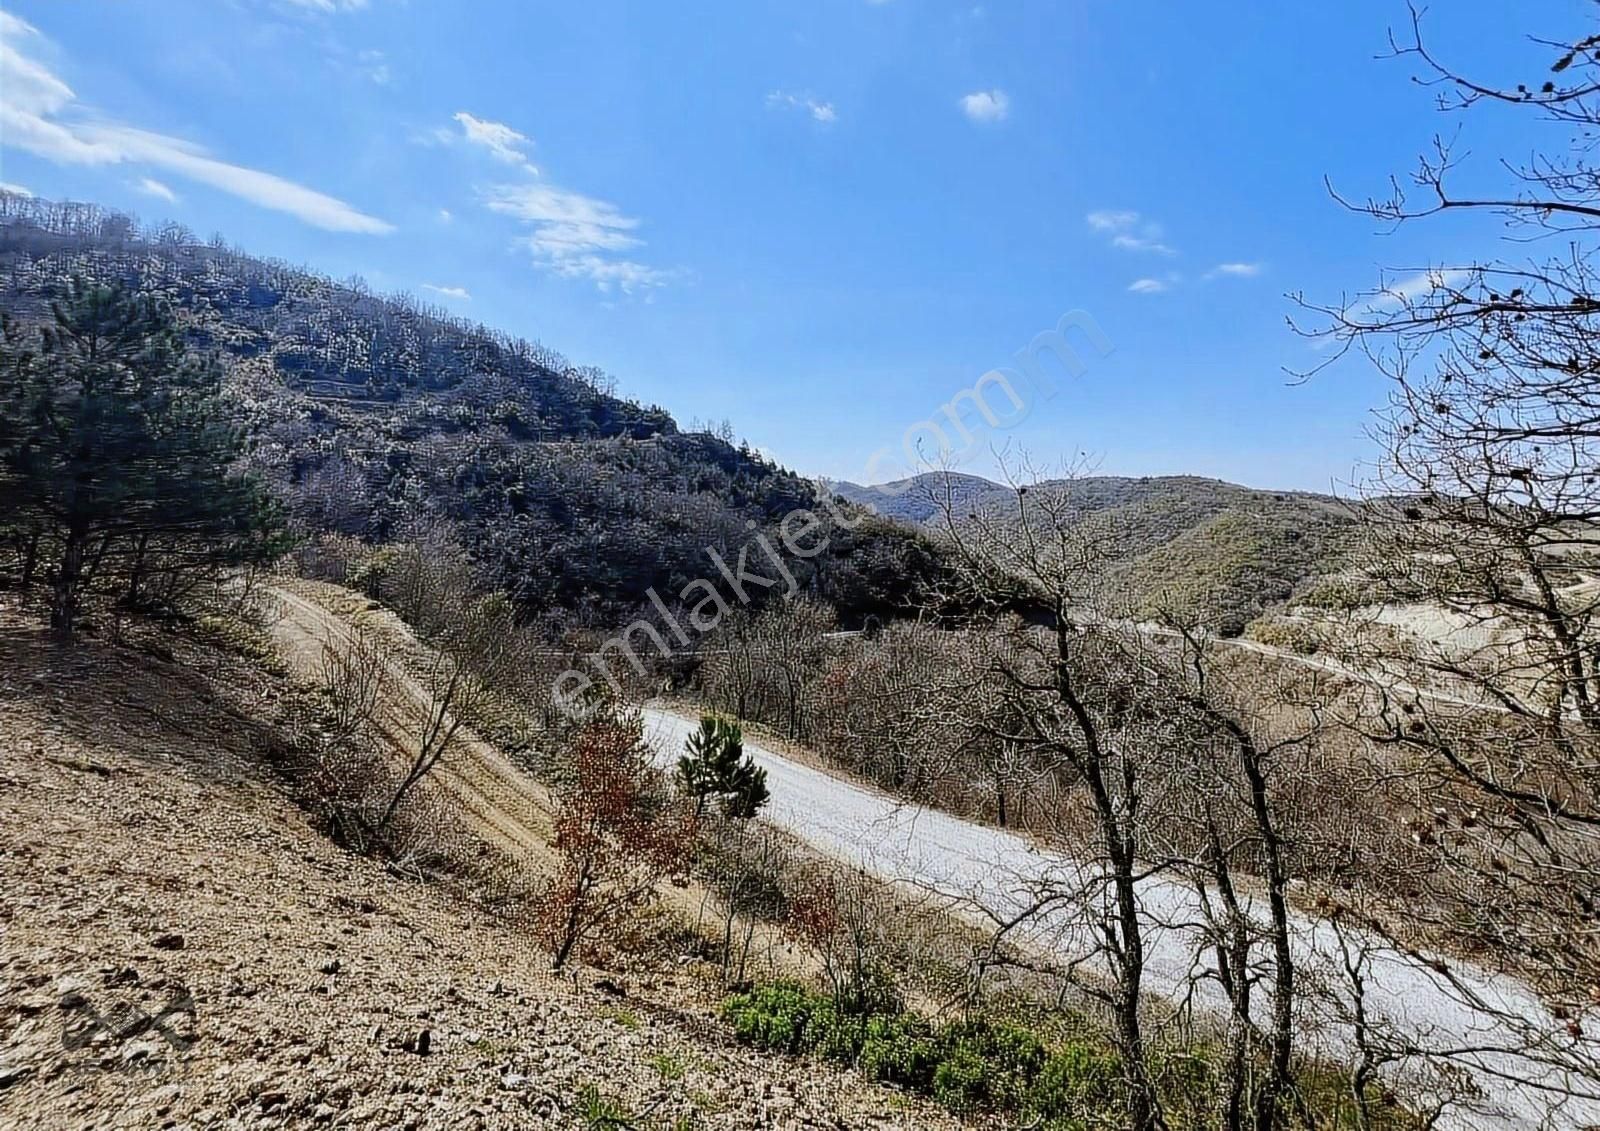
40	115
820	111
565	222
1422	283
1148	286
570	234
1110	220
152	187
1130	242
502	142
576	235
18	190
375	66
1129	231
986	105
459	293
1235	270
446	216
329	6
1397	294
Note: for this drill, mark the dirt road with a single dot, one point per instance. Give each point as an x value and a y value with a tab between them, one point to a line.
507	807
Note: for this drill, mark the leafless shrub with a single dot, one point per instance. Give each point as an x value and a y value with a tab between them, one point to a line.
749	869
843	918
352	679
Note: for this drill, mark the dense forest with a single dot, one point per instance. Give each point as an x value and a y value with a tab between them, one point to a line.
378	416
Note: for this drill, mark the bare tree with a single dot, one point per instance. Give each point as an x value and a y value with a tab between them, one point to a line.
472	651
1228	827
1071	693
1486	510
841	917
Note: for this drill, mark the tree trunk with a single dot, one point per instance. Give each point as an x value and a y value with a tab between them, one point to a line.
64	603
1270	1098
30	559
564	951
574	924
1144	1114
136	578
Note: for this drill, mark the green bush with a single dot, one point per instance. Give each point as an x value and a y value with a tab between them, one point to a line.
899	1050
1289	635
1012	1056
1076	1082
772	1017
980	1066
832	1033
368	576
1337	593
967	1066
962	1082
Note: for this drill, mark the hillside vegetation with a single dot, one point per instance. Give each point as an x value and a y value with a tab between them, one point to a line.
379	416
1200	547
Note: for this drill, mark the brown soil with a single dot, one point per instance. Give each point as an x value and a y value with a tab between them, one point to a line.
153	859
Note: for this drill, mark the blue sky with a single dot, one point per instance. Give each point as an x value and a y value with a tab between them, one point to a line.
817	218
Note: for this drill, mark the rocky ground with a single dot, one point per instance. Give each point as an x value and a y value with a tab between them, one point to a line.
180	947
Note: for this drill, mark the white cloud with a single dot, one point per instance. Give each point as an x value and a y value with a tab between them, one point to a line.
1128	231
375	66
1109	220
820	111
446	216
459	293
572	234
16	190
1395	296
328	5
1423	283
986	105
33	117
152	187
564	221
1142	243
503	143
1398	294
1147	286
1236	270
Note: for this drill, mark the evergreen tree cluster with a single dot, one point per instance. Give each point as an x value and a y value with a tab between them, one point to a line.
119	458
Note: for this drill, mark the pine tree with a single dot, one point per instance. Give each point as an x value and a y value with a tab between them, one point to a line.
716	766
117	458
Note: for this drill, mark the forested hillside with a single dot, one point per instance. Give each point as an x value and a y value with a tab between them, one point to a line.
375	416
1221	552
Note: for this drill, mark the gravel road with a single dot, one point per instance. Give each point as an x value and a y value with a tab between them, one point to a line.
999	873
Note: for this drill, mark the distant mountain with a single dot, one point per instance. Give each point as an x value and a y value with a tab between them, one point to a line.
1225	551
917	500
373	415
